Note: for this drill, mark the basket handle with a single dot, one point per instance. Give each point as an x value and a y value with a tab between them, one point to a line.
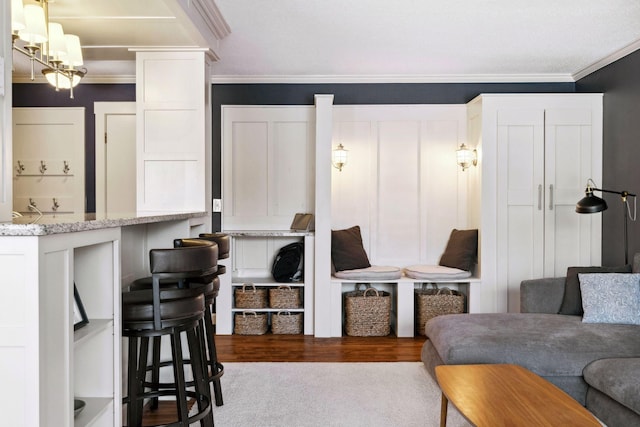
288	313
371	289
425	286
249	284
284	287
443	290
244	313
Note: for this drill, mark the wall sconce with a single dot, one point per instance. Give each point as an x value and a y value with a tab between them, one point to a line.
466	157
339	157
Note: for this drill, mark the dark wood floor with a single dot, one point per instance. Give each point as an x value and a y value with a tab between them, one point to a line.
301	348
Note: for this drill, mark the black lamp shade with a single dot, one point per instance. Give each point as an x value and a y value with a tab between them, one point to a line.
590	204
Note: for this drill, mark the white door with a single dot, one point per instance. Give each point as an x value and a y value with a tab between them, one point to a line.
520	198
115	159
568	166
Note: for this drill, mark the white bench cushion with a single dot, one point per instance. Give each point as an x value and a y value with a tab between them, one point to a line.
375	272
435	272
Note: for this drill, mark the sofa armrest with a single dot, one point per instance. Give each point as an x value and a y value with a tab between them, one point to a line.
541	295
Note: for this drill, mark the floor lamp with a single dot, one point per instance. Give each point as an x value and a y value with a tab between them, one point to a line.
593	204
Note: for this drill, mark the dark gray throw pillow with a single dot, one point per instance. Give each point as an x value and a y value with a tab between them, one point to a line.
462	250
347	252
572	300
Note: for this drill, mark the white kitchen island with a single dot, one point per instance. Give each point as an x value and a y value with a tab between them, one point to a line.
44	363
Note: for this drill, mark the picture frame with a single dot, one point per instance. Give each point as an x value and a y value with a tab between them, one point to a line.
303	222
80	318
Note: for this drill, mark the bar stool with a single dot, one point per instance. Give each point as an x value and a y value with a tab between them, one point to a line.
163	310
223	242
210	285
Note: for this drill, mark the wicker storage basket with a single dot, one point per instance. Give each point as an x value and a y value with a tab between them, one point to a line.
435	302
367	313
285	322
250	298
250	323
284	297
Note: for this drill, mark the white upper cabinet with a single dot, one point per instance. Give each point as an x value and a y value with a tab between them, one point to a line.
173	123
538	151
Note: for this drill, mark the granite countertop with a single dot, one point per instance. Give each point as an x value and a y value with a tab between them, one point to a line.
21	226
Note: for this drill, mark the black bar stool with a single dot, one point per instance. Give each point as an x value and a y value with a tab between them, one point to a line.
163	310
223	241
210	285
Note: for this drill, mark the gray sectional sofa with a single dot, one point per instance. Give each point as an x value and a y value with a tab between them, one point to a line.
597	364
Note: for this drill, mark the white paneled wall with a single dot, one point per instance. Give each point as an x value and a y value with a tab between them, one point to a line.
401	184
268	166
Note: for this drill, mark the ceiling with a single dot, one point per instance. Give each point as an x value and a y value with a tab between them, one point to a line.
359	40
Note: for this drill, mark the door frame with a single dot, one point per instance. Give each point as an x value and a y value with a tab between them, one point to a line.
101	110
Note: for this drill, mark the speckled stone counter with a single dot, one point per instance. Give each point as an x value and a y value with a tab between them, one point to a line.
47	226
267	233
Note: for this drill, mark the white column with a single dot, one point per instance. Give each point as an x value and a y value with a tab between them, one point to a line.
6	158
324	131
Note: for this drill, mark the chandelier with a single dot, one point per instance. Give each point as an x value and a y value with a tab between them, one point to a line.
45	43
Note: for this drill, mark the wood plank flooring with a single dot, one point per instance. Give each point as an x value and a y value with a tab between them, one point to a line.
301	348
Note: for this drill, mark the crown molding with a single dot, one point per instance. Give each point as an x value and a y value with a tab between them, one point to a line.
445	78
607	60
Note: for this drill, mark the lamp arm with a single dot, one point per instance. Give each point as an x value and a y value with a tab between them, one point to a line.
622	193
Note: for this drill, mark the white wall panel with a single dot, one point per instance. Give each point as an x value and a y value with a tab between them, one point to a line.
268	166
401	184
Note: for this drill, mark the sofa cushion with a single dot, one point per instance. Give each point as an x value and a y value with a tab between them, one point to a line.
547	344
617	378
347	252
462	250
572	299
610	298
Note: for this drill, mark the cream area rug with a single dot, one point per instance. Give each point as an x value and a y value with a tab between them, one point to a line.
305	394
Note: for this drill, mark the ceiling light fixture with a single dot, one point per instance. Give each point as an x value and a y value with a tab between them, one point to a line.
46	44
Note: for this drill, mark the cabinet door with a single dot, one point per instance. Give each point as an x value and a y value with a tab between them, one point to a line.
520	199
568	165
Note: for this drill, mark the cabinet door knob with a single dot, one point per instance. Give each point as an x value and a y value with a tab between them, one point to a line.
550	197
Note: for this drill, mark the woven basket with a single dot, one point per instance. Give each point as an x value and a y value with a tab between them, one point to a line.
367	313
250	323
285	322
251	298
434	302
284	297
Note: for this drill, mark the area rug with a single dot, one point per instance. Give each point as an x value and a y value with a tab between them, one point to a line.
398	394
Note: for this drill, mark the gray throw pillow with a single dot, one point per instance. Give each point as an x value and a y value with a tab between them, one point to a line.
572	299
610	298
462	250
347	252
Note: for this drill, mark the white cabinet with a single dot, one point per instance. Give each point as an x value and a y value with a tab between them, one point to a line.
537	153
251	257
173	155
44	364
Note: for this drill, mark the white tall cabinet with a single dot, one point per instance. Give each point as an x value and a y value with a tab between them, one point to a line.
537	152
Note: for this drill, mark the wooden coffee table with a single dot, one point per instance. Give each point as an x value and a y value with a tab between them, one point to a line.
507	395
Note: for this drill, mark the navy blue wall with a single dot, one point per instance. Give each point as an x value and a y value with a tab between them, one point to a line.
620	84
44	95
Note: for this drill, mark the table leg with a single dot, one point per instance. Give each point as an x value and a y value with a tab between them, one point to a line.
443	411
